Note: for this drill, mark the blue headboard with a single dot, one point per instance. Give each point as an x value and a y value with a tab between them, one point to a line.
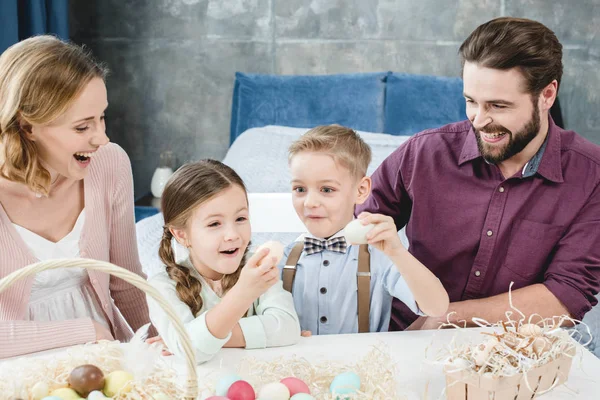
394	103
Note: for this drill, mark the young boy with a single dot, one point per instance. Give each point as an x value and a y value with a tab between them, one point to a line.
339	287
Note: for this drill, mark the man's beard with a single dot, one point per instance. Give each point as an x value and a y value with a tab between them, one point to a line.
516	142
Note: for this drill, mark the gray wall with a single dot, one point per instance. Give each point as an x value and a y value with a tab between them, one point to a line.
173	62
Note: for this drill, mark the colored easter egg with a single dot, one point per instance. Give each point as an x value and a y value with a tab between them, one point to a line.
85	379
39	390
302	396
241	390
96	395
65	394
356	233
295	385
345	383
225	383
274	391
117	382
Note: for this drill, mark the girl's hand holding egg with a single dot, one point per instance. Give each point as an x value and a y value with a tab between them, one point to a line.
259	274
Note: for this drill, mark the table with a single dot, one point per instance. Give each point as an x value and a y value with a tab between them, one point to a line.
408	349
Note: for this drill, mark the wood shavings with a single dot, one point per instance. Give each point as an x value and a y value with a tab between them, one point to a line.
18	377
376	371
516	348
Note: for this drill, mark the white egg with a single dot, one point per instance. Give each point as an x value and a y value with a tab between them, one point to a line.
356	233
39	390
460	363
274	391
96	395
276	249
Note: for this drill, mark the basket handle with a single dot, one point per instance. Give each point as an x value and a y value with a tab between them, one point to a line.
191	386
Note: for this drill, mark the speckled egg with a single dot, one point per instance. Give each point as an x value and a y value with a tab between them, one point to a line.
225	383
345	383
295	385
274	391
117	381
241	390
86	378
65	394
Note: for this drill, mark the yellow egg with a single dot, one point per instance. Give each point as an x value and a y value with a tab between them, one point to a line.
160	396
117	382
39	390
65	394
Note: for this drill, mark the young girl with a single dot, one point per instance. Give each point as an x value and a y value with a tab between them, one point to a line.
222	299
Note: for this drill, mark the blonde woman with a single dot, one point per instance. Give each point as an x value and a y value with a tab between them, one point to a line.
65	192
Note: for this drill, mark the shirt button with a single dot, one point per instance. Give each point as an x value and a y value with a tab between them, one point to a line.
83	254
477	273
94	282
323	290
105	306
489	233
501	189
323	320
326	263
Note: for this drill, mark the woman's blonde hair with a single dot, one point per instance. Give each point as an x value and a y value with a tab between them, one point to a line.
192	185
40	78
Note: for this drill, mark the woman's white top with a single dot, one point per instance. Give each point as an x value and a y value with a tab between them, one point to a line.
61	294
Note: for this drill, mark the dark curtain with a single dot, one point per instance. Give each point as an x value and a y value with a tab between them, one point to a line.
20	19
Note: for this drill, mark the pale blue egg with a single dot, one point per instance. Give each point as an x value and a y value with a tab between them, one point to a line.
302	396
225	382
345	383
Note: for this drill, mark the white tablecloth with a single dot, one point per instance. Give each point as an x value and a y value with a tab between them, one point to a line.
408	349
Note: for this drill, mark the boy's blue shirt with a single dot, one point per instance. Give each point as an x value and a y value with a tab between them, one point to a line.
325	290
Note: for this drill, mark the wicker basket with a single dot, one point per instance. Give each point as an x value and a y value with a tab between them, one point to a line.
190	389
469	385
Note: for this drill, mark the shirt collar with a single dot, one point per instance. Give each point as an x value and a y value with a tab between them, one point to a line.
546	162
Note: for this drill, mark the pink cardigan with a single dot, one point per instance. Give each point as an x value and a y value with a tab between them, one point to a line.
108	235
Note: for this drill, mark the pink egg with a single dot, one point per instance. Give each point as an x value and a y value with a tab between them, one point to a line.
295	385
241	390
217	398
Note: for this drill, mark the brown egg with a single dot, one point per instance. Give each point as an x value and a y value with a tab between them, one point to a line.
86	378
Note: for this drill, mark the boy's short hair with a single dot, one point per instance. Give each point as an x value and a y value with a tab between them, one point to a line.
343	144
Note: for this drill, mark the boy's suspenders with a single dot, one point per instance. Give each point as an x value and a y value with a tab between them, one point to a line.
363	281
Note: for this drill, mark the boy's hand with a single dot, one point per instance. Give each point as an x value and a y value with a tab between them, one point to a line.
259	274
384	235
